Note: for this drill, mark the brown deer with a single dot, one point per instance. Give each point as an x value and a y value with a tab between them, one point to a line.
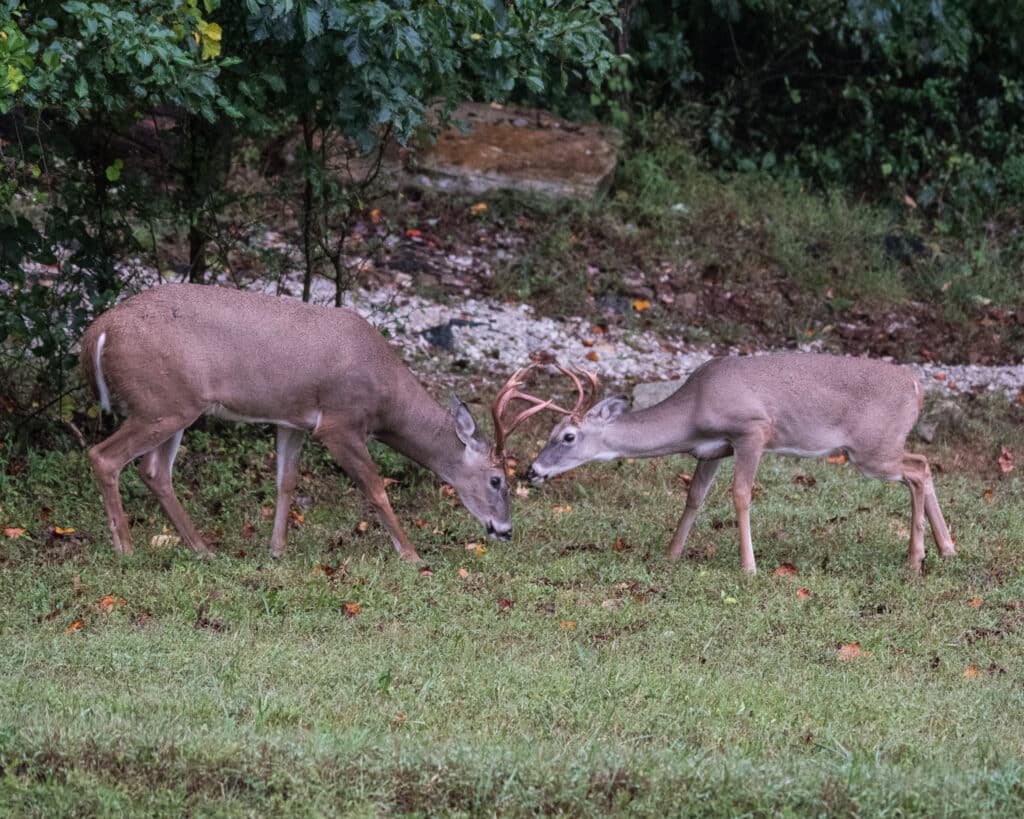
173	353
787	403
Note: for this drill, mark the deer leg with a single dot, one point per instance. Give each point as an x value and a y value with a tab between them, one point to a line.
915	475
135	437
155	469
703	477
940	532
747	457
289	447
353	458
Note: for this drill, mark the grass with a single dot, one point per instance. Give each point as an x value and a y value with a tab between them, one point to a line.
572	671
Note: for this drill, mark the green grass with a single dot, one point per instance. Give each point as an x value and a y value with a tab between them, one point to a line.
614	683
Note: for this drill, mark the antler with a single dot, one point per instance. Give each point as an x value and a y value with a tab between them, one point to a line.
583	402
510	392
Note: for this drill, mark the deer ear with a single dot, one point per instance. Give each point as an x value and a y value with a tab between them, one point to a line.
465	426
609	409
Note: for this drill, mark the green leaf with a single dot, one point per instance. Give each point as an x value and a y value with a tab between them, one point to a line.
113	171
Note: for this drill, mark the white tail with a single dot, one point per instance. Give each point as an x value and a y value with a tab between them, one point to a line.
787	403
171	354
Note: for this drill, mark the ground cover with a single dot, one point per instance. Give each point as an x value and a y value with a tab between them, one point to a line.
568	671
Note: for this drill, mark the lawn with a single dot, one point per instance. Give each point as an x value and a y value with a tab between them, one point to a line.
568	671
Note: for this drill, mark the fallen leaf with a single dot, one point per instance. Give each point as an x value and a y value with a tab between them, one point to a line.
971	671
76	583
352	609
297	519
587	342
375	215
620	545
522	492
611	603
478	208
361	528
248	530
13	532
505	603
463	573
785	570
940	376
60	530
75	626
480	549
641	304
163	541
1006	460
470	547
837	459
448	491
266	512
426	572
559	510
419	523
413	233
107	603
974	602
804	593
593	356
850	651
988	494
569	625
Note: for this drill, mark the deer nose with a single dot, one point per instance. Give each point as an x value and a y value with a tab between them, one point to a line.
533	476
494	534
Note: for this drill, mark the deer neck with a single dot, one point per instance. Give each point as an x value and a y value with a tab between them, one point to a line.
650	433
422	430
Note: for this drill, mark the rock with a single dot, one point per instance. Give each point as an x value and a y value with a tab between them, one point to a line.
517	149
440	335
943	416
653	392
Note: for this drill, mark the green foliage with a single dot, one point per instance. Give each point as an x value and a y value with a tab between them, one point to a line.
919	97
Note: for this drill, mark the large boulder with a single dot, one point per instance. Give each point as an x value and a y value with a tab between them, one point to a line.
491	147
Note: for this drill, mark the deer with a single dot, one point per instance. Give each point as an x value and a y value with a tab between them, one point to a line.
789	403
170	354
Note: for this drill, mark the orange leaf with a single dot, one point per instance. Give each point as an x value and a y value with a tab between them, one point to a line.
248	530
837	459
352	609
463	573
974	602
419	523
266	512
505	603
851	651
412	233
641	304
593	356
60	530
75	626
558	510
785	570
297	518
804	593
569	625
478	208
971	671
587	342
361	527
620	545
1005	460
375	215
480	549
107	603
13	532
940	376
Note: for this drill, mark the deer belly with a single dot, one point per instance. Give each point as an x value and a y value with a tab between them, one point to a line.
308	423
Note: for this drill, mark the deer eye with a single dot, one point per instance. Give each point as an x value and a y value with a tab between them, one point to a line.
569	437
496	482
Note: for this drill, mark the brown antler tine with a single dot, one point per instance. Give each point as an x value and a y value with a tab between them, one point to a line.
595	386
579	388
505	396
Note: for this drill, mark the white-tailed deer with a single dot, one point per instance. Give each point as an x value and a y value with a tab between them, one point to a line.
788	403
176	352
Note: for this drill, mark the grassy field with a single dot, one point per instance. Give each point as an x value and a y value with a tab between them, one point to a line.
569	671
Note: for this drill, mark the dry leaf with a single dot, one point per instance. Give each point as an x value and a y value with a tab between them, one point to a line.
248	530
804	593
587	342
463	573
375	215
297	518
620	545
13	532
426	572
413	233
940	376
522	492
163	541
60	530
505	603
471	547
593	356
1006	460
558	510
974	602
352	609
361	527
850	651
448	491
480	549
785	570
569	625
107	603
641	304
419	523
837	459
971	671
267	512
75	626
478	208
